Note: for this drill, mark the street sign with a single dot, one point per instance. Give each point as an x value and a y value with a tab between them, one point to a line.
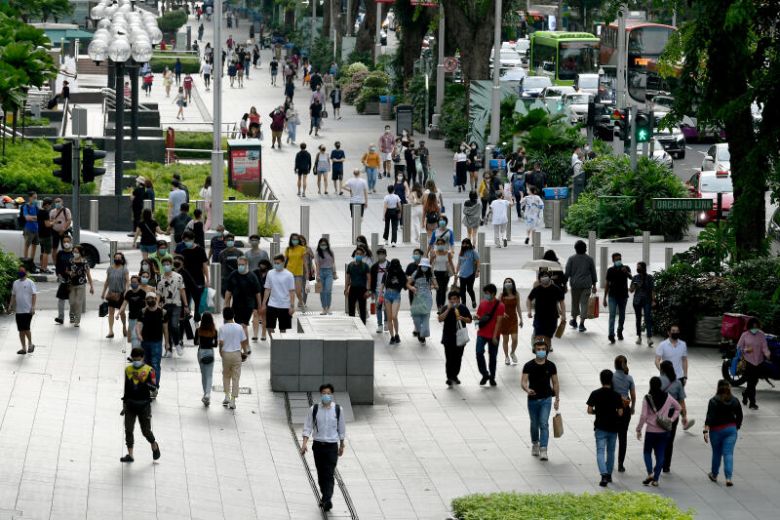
682	204
450	64
425	3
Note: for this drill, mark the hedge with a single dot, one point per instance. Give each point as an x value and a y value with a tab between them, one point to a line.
28	166
607	505
9	266
189	63
196	141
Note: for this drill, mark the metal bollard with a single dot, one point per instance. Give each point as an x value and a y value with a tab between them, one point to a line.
457	220
592	244
487	257
112	248
357	221
215	273
93	215
276	245
668	254
374	242
406	225
424	242
305	211
536	239
147	204
509	222
252	219
603	264
646	248
484	275
480	243
556	221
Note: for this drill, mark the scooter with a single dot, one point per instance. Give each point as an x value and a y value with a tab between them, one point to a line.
768	370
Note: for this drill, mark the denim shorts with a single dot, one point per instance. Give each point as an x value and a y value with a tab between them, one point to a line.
392	296
149	249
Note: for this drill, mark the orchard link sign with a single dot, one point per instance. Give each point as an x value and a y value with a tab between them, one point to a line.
682	204
425	3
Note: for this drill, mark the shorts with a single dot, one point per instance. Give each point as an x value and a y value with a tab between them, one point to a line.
337	175
387	156
149	249
56	238
45	245
392	296
242	315
23	321
274	314
301	174
336	106
30	238
322	172
116	303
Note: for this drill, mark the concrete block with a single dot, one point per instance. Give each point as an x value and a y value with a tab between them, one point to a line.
338	382
311	383
360	357
285	355
361	389
311	357
284	383
335	357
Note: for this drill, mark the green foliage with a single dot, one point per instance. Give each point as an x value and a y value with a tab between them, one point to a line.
415	95
454	122
375	84
189	63
758	283
9	265
236	216
357	56
42	9
322	55
352	84
172	21
28	166
520	506
195	141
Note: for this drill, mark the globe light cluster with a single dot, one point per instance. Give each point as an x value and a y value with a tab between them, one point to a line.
122	32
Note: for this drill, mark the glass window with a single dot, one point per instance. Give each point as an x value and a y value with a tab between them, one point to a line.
713	184
543	59
723	153
8	221
648	41
577	58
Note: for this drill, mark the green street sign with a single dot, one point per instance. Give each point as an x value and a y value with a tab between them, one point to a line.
682	204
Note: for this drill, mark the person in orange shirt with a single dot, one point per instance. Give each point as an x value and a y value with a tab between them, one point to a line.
371	162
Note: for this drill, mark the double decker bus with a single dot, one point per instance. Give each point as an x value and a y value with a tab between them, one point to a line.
561	55
644	44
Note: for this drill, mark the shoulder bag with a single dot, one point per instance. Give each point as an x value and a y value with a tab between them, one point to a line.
461	332
485	320
662	422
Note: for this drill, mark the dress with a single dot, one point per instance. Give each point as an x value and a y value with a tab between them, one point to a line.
533	206
461	164
509	324
421	307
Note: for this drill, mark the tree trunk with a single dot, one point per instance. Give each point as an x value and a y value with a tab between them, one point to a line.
367	31
326	21
414	23
472	31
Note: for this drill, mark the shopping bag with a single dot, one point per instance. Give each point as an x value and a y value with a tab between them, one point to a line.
63	291
561	328
558	425
318	287
593	307
373	308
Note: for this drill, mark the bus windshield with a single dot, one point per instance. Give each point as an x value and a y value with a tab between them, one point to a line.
577	58
648	41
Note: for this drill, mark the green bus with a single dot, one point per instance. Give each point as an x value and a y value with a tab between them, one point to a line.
561	55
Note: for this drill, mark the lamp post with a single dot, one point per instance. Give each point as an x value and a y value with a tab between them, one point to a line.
495	102
217	155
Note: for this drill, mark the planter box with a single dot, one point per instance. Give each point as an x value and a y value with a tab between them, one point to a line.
371	109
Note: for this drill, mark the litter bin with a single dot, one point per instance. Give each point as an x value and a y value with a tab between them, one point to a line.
386	107
245	166
404	119
550	194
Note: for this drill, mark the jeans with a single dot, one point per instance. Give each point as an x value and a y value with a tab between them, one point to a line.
206	371
605	443
579	303
134	341
380	313
655	442
422	324
616	306
539	413
391	221
371	174
173	313
326	290
326	456
291	129
648	310
723	442
467	286
492	356
442	281
152	356
625	419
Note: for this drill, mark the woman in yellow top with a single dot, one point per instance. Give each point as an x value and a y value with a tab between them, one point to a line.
295	256
371	162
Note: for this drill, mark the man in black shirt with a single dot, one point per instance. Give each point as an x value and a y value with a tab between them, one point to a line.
178	224
607	406
547	299
44	234
302	168
540	382
149	330
417	255
616	294
454	315
140	386
242	293
536	178
196	267
137	201
229	258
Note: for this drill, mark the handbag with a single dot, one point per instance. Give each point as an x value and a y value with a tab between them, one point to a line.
113	296
662	422
561	329
207	359
485	320
558	426
741	366
63	291
103	310
318	287
324	114
461	333
593	307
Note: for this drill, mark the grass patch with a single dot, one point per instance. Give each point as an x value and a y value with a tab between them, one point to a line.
189	63
236	216
196	141
28	166
608	505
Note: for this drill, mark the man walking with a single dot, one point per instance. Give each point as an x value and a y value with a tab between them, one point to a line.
675	350
30	231
386	145
540	382
325	425
140	387
302	169
278	297
176	198
581	274
278	119
60	224
616	295
24	295
243	294
149	331
548	302
490	314
607	406
233	347
196	267
45	234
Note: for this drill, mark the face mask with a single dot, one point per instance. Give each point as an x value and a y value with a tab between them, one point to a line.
754	330
545	280
162	252
76	255
134	286
674	335
230	243
278	267
151	303
416	258
138	364
442	223
508	286
188	244
323	247
440	248
67	245
254	243
242	268
358	258
144	280
326	399
294	242
618	263
57	205
22	274
400	178
488	296
167	268
541	354
144	266
372	149
117	261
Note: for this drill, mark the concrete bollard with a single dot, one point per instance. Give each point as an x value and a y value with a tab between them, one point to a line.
424	242
148	204
276	245
603	265
538	252
668	254
215	274
484	276
646	248
253	219
305	211
592	244
357	221
112	248
374	242
556	220
536	238
457	220
406	224
480	243
509	222
94	215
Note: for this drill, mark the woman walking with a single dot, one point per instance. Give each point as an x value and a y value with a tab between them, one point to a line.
293	120
472	215
325	262
454	317
421	284
147	230
394	282
294	262
513	318
642	286
134	301
431	212
117	279
674	387
474	165
259	316
443	268
205	194
167	81
321	168
623	384
460	167
207	340
724	419
416	200
468	271
533	208
80	275
181	102
753	347
656	405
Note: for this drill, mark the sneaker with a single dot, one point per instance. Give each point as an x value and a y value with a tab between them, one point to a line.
205	400
156	451
573	323
535	449
483	380
505	242
582	328
379	329
31	349
493	382
449	383
226	401
397	338
621	469
608	477
753	406
166	354
126	458
639	340
611	340
603	483
59	321
649	341
543	454
179	350
507	362
457	381
620	336
232	404
514	358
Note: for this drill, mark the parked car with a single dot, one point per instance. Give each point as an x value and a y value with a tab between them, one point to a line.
532	86
673	141
96	247
707	185
773	232
717	158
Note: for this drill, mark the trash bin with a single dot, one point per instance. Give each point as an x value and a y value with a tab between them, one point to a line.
550	194
404	119
386	107
245	166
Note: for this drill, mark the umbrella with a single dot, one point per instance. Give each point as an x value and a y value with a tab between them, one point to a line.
533	265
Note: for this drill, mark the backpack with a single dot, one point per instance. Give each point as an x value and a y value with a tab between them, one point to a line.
518	184
432	217
314	415
20	219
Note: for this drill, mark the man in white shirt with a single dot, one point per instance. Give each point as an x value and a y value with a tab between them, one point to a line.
24	294
391	215
279	297
499	210
358	191
675	350
326	422
176	198
233	346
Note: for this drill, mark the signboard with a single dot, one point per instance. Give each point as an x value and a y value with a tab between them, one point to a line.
425	3
450	64
682	204
244	166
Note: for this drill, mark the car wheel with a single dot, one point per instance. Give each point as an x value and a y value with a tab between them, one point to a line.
91	255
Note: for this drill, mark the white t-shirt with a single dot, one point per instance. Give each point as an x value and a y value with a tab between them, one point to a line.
231	335
499	211
357	188
23	291
280	283
392	200
669	352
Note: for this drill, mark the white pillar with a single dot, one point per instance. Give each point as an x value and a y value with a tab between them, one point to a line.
217	155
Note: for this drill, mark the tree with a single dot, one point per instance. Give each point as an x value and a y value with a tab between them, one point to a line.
469	24
367	32
41	9
414	22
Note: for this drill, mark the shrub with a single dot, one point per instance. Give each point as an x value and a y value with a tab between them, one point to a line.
758	294
517	506
9	265
172	21
454	122
195	141
188	63
374	85
353	85
28	166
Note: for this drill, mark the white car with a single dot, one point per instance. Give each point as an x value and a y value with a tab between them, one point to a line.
717	159
532	86
577	103
587	84
508	58
512	74
96	247
659	154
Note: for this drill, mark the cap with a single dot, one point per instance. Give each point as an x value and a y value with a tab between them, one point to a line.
140	180
425	262
539	340
151	294
19	200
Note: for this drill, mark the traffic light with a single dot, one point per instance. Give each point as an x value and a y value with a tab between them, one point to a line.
64	161
88	170
643	127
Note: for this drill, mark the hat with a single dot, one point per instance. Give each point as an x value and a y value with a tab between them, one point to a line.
140	180
151	294
425	262
19	200
539	340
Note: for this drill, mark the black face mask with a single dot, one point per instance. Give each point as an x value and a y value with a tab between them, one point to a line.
674	335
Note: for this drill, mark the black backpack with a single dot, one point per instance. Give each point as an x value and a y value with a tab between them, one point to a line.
314	415
20	219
